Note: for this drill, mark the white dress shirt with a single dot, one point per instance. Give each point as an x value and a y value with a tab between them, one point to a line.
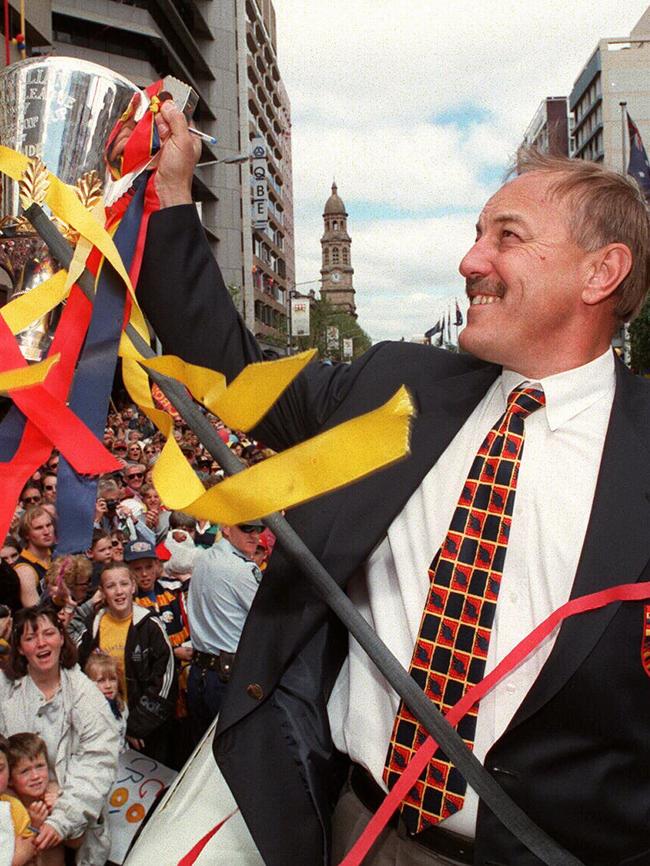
555	489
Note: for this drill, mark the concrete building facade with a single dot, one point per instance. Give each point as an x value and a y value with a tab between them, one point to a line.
227	52
617	72
549	130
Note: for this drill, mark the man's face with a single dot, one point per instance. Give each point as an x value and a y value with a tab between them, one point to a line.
244	538
41	532
134	476
525	277
49	488
147	572
31	496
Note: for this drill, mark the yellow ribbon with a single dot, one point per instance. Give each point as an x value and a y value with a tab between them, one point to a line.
248	398
34	304
324	463
25	377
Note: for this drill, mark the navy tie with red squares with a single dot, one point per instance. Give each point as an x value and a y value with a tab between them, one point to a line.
452	644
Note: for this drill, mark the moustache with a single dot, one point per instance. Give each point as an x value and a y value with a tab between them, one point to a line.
484	286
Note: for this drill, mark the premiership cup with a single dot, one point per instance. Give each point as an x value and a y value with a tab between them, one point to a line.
60	110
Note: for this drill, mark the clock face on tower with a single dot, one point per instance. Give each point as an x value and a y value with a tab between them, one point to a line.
336	277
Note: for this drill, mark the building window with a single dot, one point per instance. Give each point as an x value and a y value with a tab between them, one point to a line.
346	256
326	256
335	255
336	225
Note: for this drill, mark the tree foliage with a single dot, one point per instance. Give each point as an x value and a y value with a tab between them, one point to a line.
323	315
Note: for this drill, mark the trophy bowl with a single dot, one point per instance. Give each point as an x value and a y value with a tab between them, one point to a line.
60	110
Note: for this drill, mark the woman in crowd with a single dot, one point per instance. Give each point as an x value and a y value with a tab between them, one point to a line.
10	550
42	690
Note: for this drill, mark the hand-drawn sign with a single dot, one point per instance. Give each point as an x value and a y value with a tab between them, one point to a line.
139	781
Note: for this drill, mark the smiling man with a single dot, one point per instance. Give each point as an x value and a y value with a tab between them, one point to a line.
528	483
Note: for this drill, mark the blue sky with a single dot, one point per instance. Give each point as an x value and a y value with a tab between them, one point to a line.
416	110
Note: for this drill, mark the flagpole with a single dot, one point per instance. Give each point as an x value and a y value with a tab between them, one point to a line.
623	135
627	347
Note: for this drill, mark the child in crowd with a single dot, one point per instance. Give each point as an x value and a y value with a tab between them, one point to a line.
23	850
104	671
99	553
30	781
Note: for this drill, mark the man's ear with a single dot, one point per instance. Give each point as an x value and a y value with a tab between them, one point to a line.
608	268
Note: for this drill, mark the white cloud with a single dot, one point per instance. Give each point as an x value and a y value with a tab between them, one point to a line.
366	80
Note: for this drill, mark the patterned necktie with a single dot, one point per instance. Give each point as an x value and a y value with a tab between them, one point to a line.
454	635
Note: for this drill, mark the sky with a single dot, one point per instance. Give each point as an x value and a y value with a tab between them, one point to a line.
415	108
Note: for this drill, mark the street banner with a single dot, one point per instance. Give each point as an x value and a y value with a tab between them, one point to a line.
260	198
347	347
300	317
332	338
139	782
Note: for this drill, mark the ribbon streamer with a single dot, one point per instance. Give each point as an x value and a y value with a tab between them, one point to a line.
324	463
26	377
624	592
248	398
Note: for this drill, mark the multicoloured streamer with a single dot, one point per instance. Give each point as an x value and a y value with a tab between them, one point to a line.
314	467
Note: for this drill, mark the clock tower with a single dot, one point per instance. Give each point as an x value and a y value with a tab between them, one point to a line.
337	270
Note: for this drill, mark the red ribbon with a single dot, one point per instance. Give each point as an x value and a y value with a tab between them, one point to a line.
34	447
194	852
625	592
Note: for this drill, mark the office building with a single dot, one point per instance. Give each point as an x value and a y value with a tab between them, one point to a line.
227	52
548	131
617	72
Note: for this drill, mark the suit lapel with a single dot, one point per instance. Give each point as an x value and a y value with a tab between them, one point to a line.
371	505
616	548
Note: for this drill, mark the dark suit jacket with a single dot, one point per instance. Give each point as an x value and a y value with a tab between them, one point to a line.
576	756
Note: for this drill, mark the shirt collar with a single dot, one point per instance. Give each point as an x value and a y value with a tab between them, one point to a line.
571	392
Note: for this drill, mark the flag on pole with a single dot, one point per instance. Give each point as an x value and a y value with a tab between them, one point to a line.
459	316
638	166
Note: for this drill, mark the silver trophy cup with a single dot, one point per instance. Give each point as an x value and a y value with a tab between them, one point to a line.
60	110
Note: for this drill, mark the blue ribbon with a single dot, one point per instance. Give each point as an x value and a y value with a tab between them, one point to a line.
91	389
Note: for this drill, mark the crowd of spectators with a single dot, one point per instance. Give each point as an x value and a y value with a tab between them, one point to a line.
96	648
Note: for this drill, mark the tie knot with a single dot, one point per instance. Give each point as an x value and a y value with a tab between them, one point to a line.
524	400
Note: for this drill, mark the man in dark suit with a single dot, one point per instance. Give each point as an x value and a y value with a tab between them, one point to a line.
561	259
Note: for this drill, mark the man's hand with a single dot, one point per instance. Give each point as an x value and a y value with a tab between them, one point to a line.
179	153
100	509
47	838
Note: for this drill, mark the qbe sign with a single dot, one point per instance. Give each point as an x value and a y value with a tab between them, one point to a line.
260	201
